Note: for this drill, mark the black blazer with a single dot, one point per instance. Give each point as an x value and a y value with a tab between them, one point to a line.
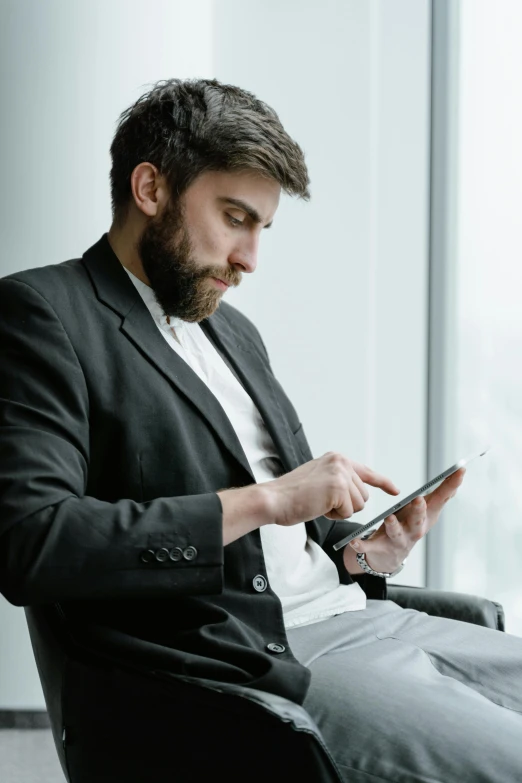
111	453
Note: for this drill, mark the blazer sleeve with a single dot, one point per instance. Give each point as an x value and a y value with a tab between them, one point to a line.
56	542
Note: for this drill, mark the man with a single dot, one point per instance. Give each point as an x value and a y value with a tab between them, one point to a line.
157	483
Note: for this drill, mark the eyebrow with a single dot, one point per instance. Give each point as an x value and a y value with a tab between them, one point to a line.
252	213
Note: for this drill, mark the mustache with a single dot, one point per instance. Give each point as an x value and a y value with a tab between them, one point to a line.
231	277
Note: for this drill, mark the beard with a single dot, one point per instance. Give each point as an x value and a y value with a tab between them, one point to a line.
181	286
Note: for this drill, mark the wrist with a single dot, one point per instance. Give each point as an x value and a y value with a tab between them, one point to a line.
263	504
361	559
350	562
244	509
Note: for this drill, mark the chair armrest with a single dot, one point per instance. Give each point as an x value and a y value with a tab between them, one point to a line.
271	723
244	700
456	606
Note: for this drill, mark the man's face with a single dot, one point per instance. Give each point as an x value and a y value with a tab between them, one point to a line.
197	247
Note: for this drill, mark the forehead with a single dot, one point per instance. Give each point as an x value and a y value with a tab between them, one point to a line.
215	187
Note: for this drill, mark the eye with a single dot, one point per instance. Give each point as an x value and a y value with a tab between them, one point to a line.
233	221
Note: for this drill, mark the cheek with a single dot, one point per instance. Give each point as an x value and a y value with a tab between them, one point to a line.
214	245
209	240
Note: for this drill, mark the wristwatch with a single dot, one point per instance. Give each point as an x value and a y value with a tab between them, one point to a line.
361	559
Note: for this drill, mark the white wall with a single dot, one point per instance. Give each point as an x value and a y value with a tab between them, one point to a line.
340	291
67	70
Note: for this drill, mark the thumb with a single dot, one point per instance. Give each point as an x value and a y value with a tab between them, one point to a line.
359	545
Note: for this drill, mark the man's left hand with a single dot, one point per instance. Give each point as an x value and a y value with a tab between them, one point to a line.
391	544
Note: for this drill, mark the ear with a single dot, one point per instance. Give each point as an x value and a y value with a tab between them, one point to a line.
149	189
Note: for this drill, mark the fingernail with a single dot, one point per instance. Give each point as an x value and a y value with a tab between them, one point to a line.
355	544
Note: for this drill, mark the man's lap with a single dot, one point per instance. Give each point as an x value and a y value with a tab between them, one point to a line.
400	696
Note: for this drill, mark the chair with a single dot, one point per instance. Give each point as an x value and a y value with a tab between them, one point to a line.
187	731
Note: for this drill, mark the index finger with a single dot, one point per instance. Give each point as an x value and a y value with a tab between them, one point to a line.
369	476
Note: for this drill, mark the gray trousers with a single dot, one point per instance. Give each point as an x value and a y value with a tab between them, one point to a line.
404	697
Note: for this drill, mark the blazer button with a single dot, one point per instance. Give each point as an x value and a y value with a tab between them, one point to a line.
190	553
260	583
147	556
176	554
276	648
162	555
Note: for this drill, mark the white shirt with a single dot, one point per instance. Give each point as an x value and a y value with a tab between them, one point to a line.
299	571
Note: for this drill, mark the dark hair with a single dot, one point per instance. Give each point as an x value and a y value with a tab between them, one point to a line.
186	127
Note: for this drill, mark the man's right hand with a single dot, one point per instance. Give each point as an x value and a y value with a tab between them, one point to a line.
332	486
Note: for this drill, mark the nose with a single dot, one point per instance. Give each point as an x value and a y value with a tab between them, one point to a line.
244	256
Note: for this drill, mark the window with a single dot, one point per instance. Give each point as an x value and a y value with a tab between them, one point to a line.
480	547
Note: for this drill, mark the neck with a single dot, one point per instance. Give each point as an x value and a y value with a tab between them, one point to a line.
124	242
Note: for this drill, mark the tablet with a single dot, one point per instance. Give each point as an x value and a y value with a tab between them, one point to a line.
431	485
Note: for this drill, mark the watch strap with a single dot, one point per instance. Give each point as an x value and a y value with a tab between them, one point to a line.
361	560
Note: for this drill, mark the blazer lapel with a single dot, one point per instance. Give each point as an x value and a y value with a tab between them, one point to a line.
114	289
251	370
